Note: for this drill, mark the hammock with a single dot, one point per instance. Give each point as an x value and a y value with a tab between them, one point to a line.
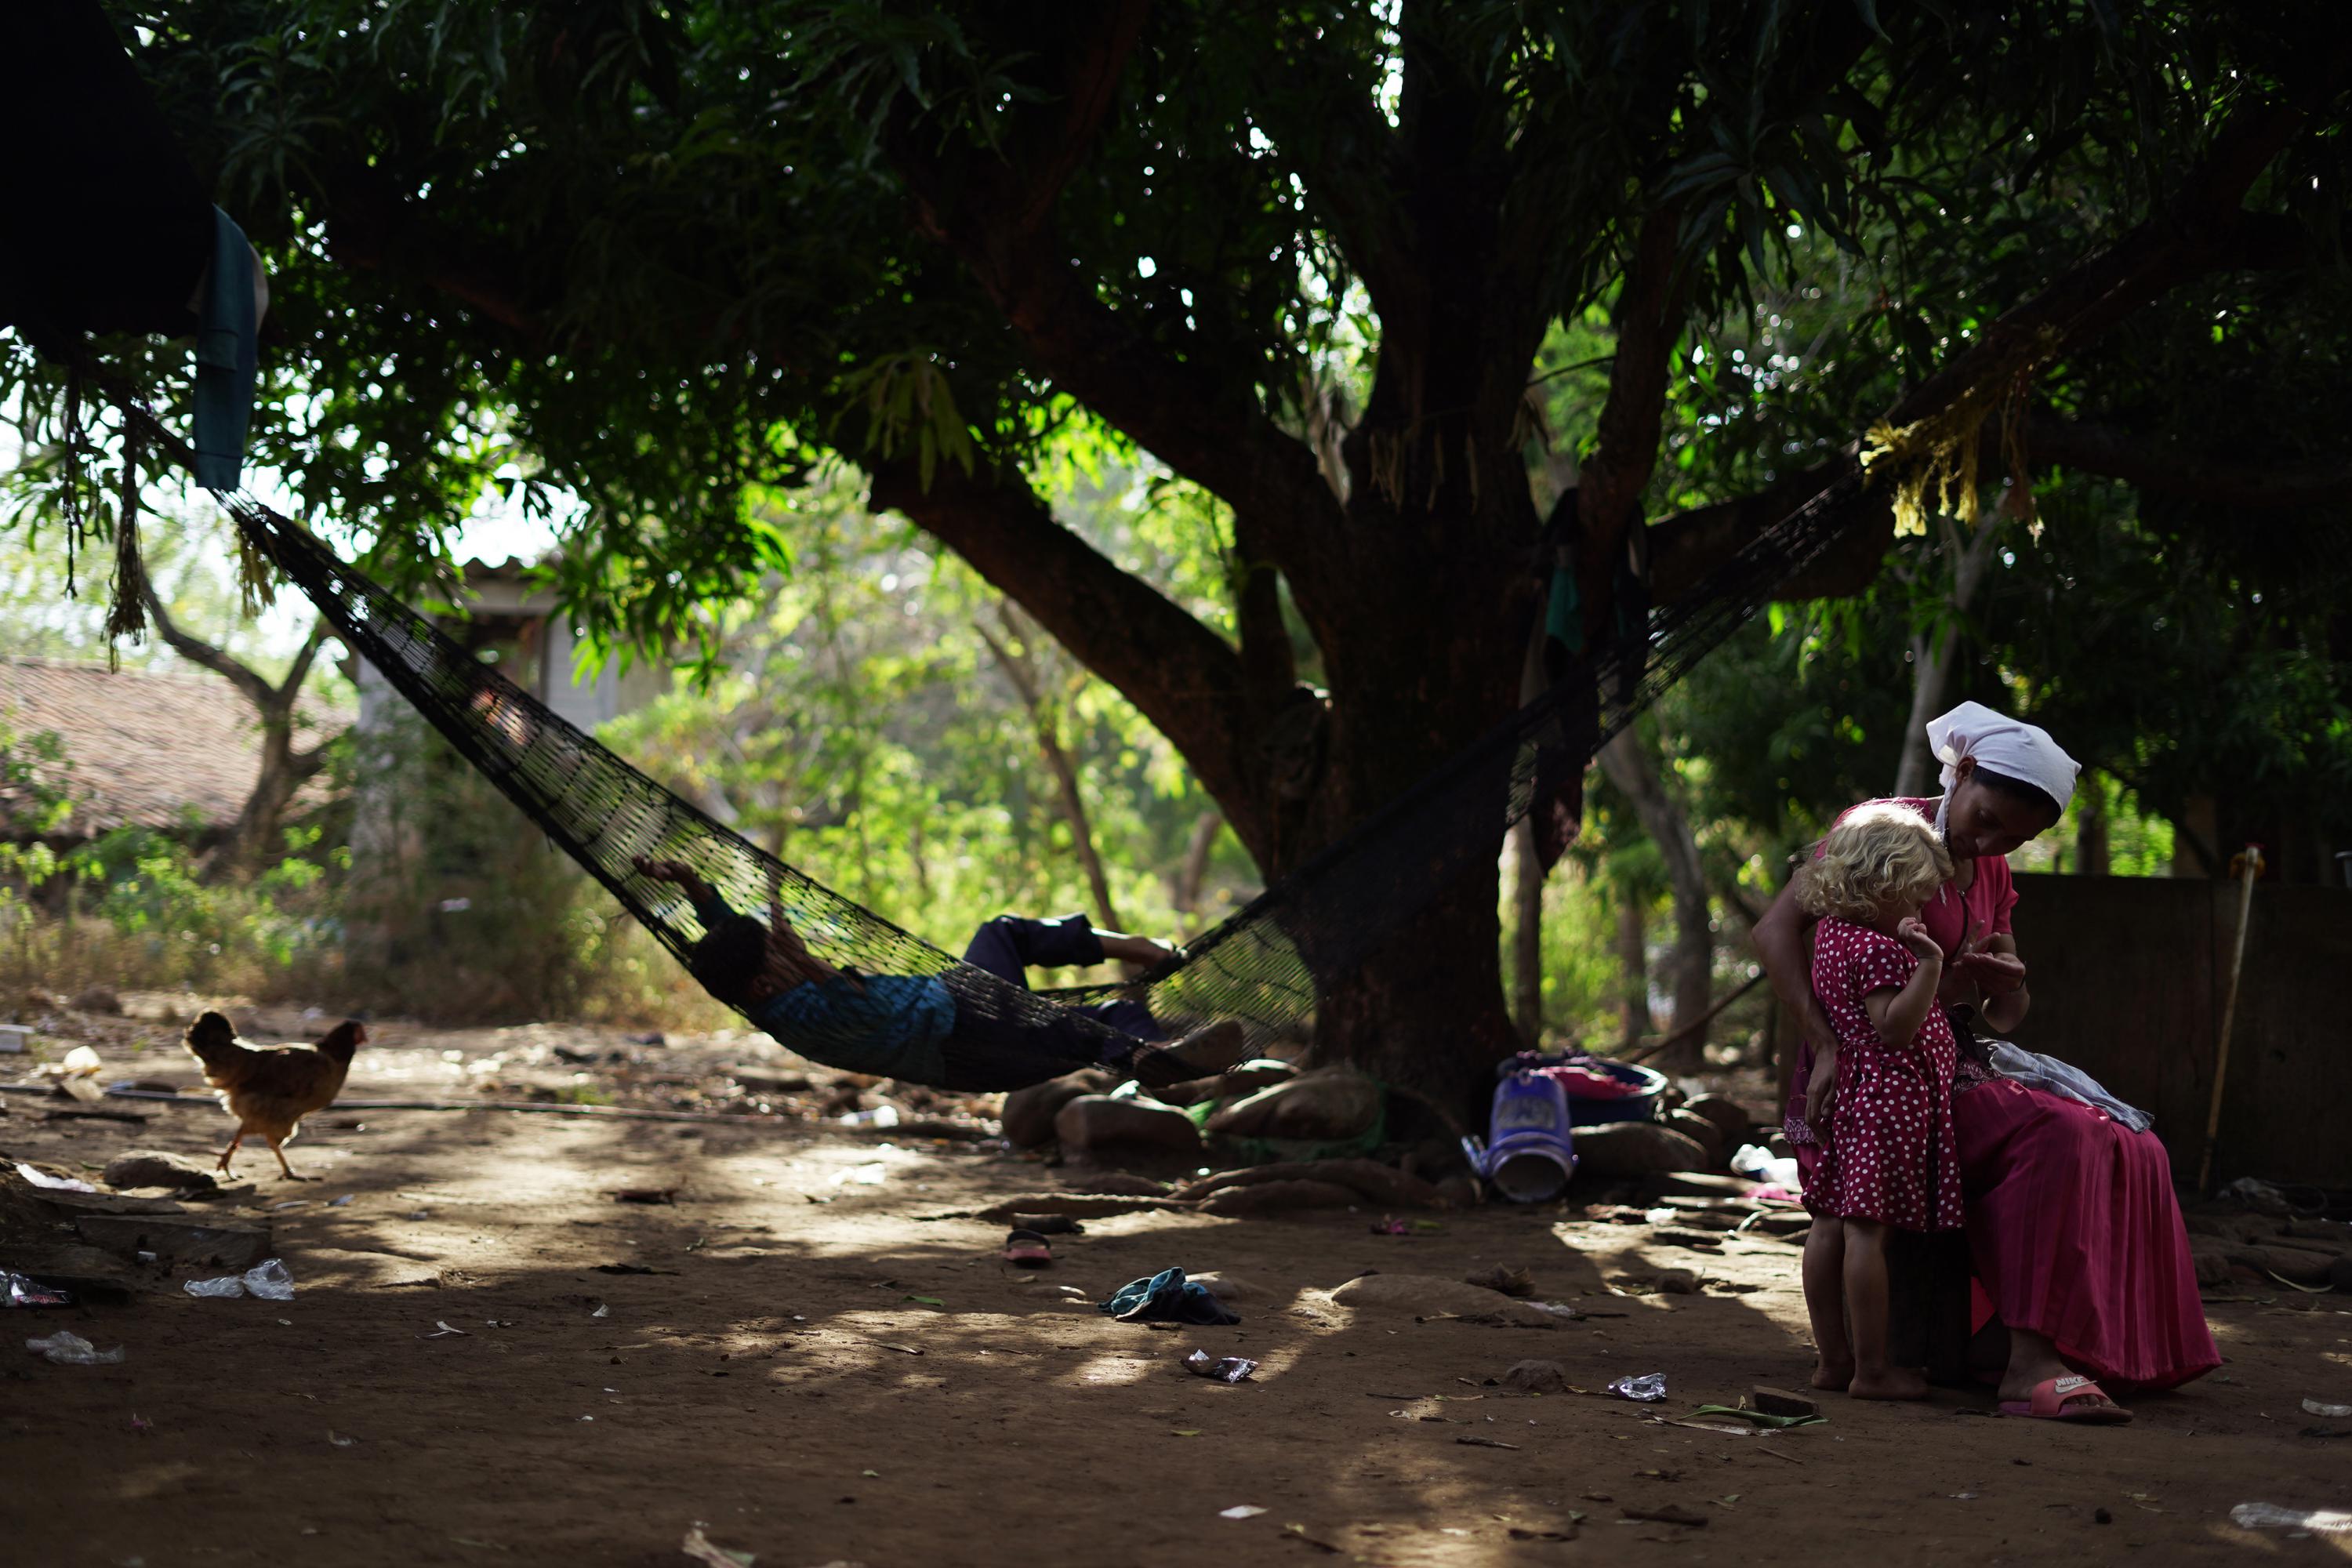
1262	967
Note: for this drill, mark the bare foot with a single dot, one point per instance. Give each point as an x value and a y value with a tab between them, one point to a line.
1895	1382
1833	1376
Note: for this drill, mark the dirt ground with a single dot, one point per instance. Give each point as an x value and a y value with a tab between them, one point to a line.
821	1367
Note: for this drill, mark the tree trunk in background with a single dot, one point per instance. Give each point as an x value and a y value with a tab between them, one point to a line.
2197	837
2091	825
1527	935
1185	897
1633	959
1013	657
1933	651
1633	767
284	771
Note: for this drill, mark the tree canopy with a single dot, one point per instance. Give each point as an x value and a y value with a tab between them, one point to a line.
1411	297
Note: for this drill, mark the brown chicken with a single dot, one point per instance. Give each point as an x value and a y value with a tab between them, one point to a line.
269	1092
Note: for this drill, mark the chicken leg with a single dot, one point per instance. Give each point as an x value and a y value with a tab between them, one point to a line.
277	1147
232	1142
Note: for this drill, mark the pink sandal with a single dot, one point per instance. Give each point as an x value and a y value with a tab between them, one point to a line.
1027	1249
2053	1399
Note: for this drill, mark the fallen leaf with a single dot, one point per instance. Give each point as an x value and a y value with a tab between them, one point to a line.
1187	1431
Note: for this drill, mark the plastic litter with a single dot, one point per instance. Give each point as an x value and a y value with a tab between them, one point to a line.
702	1549
880	1116
81	1061
270	1281
443	1330
1647	1388
2269	1516
70	1349
1759	1163
43	1180
342	1201
16	1290
2313	1407
1239	1511
1223	1369
338	1439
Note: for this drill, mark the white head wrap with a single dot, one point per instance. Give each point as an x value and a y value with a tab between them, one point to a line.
2005	745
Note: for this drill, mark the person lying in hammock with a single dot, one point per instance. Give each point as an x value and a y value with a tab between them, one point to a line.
970	1030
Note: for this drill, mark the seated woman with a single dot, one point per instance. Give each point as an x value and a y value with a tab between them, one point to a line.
2071	1222
971	1029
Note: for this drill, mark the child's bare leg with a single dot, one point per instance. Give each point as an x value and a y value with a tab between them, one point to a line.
1824	1275
1866	1306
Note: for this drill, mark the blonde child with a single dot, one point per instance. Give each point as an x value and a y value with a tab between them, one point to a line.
1889	1160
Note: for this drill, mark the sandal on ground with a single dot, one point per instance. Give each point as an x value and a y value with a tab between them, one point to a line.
1027	1249
2054	1399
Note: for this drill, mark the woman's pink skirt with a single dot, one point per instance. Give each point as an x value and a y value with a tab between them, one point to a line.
2077	1235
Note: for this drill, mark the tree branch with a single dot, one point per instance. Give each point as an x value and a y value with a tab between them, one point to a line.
2107	450
2205	228
197	651
994	214
1179	674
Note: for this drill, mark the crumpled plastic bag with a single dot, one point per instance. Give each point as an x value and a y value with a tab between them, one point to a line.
16	1291
1645	1389
68	1349
1224	1369
268	1279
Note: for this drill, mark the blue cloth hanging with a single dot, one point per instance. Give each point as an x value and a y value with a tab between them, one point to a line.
227	357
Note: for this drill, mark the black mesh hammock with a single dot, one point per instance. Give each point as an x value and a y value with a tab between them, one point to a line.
1263	967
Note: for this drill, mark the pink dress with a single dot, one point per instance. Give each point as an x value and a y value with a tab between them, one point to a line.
2072	1224
1890	1155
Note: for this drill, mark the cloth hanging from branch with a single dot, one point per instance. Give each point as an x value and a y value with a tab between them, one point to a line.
1264	967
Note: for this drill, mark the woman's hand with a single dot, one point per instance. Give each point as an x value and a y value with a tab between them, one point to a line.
2000	973
1821	1090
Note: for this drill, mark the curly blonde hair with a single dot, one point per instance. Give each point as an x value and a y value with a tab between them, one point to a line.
1880	852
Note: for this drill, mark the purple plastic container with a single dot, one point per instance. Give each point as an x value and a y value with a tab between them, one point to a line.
1529	1156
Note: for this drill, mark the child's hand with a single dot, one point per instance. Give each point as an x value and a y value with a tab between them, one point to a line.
1913	934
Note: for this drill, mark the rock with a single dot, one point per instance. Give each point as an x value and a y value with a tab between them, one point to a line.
1231	1288
157	1168
1097	1121
1330	1105
1780	1402
1379	1184
1462	1191
98	999
1636	1148
176	1241
1429	1295
1703	1132
2213	1269
1077	1206
1539	1378
1732	1123
1676	1281
1503	1281
2339	1274
1029	1112
1120	1183
1277	1198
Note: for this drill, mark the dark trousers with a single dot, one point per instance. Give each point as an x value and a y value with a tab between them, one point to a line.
1011	946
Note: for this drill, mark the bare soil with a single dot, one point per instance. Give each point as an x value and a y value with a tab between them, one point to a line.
823	1367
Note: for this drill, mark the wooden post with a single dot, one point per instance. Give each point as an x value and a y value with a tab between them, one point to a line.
2252	863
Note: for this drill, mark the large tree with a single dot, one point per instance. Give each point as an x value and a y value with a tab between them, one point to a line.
1308	255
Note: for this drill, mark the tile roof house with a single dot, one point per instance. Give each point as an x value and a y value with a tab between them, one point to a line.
142	748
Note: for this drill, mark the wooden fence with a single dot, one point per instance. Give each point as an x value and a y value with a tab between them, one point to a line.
2129	974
